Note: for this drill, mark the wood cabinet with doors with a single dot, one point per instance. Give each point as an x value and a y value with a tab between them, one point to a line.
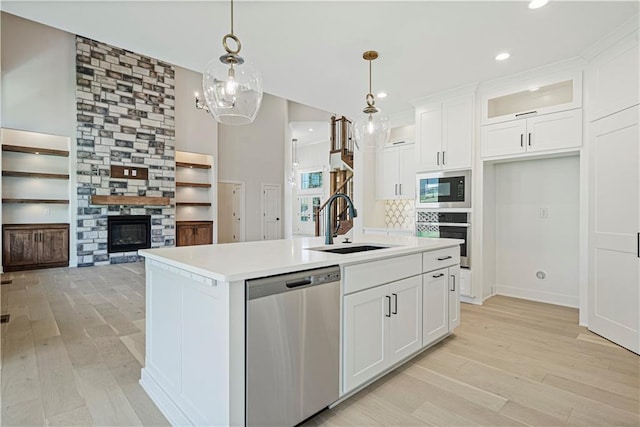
444	133
191	233
396	172
32	246
542	133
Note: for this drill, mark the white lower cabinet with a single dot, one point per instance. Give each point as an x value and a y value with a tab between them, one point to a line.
441	306
382	325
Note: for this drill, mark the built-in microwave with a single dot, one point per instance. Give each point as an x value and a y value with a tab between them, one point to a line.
443	190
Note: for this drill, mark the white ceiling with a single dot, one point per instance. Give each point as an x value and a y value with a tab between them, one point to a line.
311	51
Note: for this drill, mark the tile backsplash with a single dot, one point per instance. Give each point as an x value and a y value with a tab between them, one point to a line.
399	213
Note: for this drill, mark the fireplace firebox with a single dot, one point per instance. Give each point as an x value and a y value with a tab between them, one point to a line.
128	233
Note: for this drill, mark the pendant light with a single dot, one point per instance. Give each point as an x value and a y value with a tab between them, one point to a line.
373	126
232	88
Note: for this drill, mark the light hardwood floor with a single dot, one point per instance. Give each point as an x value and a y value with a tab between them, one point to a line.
74	346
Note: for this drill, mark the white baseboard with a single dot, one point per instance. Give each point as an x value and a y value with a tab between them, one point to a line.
470	300
540	296
163	401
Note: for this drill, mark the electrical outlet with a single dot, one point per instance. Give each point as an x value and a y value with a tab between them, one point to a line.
544	213
126	172
134	172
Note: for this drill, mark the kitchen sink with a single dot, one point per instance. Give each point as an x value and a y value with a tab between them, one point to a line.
350	249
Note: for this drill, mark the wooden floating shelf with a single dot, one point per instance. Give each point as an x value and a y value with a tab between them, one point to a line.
48	201
192	165
16	174
35	150
192	184
193	204
130	200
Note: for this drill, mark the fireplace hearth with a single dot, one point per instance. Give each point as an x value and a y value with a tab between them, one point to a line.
128	233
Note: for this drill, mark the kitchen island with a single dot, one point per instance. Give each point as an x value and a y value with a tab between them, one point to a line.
195	314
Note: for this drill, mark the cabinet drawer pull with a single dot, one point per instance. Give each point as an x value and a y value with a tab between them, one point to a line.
395	304
524	114
435	276
388	313
529	139
442	258
453	289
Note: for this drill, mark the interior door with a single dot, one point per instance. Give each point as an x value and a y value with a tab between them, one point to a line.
230	215
614	249
271	211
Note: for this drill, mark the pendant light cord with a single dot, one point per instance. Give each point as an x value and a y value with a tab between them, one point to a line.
231	16
369	74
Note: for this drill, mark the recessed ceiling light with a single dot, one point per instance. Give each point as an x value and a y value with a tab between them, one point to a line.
310	130
502	56
382	95
535	4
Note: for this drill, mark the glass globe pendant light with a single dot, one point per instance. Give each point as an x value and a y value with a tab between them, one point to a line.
373	126
232	88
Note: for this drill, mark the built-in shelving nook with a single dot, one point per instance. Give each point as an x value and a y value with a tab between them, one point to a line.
35	177
35	199
195	193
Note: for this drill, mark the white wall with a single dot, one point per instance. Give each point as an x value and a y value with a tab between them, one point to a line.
38	84
527	243
253	154
196	130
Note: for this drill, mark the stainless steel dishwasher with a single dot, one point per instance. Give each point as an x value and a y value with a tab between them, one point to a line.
292	347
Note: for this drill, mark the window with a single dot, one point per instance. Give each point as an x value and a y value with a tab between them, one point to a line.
311	180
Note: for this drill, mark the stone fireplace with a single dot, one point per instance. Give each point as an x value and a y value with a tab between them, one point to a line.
125	150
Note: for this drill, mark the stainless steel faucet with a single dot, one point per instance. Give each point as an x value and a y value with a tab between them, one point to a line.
328	229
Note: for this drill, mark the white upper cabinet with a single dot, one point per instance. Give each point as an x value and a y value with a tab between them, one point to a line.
545	133
613	82
548	94
396	172
445	134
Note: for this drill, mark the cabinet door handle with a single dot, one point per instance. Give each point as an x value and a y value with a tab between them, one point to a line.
442	258
400	192
524	114
395	304
521	140
638	245
388	313
453	289
395	189
435	276
529	139
443	162
438	158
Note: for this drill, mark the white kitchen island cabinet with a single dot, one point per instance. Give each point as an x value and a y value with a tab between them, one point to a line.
195	320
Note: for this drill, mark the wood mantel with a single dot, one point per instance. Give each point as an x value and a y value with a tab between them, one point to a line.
130	200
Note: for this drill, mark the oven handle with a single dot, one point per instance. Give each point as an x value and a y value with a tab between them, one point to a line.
447	224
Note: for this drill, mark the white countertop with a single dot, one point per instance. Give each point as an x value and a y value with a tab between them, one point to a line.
246	260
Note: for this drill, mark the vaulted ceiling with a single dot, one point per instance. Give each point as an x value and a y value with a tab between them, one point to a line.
311	51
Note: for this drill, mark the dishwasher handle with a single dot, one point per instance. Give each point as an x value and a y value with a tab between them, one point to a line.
297	283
